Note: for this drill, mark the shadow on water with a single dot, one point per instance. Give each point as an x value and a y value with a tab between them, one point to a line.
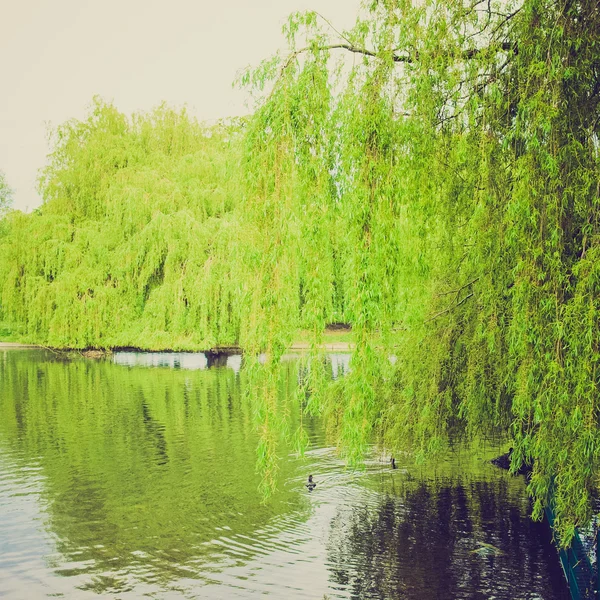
139	481
444	539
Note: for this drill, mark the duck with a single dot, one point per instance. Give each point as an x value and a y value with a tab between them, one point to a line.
393	463
503	461
311	485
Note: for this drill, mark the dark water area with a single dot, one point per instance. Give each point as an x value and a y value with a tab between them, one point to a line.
136	477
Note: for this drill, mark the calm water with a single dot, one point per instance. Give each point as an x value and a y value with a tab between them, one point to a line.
135	478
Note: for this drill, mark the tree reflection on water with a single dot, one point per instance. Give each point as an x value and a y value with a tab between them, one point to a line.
444	538
142	481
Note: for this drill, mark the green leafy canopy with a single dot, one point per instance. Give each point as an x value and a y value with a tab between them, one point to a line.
447	152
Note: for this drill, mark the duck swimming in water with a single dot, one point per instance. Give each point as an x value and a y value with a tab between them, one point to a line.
503	461
311	485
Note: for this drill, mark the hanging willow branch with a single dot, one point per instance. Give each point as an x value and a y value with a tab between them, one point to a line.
450	308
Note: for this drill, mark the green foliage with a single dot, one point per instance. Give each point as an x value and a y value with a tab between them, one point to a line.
446	187
134	241
5	195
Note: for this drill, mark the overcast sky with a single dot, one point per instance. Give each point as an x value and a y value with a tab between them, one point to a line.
56	55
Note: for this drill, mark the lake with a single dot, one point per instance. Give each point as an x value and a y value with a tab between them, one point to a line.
135	476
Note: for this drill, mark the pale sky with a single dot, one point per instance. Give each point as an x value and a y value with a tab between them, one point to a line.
56	55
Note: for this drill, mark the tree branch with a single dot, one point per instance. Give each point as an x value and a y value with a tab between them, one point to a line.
332	27
469	54
461	288
446	310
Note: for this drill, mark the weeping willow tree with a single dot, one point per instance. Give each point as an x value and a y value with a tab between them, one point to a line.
135	241
5	203
5	195
435	172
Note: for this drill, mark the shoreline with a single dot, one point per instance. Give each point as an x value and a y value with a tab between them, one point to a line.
295	347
